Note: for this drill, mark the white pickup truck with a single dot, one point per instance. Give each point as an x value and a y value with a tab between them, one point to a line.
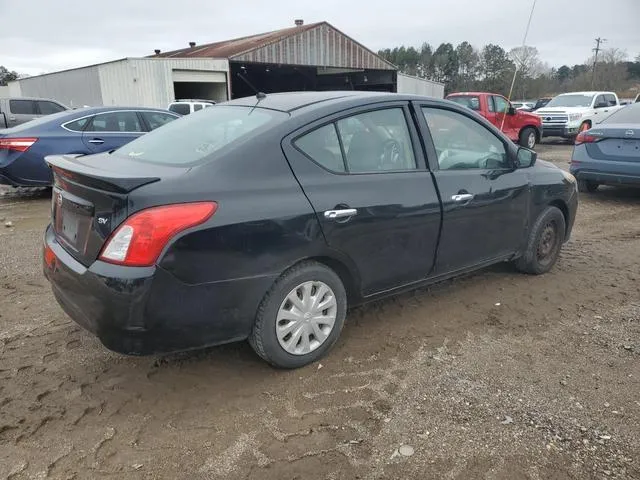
570	113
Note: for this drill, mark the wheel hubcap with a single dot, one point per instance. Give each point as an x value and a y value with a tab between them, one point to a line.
531	142
306	318
547	242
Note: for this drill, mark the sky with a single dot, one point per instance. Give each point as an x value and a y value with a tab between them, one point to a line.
39	36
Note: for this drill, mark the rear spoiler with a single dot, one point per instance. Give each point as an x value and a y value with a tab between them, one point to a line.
70	169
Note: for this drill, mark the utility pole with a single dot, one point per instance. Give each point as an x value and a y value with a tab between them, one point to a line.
595	60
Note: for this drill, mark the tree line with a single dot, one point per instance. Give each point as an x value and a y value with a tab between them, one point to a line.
491	68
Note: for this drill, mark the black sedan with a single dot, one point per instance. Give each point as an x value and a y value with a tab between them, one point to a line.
609	153
265	218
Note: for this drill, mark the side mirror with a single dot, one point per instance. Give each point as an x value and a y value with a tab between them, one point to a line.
601	105
526	158
511	111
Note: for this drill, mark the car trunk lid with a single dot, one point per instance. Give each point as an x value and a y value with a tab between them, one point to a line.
90	198
618	142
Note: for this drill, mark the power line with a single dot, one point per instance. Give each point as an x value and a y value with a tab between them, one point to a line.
595	60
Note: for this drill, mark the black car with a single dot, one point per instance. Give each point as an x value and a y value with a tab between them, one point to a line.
265	218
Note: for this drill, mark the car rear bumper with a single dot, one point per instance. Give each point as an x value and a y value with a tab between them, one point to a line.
604	178
147	310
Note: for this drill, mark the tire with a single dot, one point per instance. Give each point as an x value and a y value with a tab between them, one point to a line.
544	243
585	186
268	344
528	137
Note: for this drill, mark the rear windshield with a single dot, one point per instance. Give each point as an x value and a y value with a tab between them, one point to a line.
198	136
181	108
468	101
628	114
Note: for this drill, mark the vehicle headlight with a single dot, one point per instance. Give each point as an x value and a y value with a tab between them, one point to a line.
575	117
570	178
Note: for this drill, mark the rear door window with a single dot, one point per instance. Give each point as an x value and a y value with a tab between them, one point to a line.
157	119
77	125
22	107
196	138
118	122
322	146
610	99
197	106
48	108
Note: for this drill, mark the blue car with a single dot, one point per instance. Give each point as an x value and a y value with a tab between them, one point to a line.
83	131
609	153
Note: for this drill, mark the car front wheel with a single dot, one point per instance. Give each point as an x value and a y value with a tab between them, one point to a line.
544	242
528	138
301	316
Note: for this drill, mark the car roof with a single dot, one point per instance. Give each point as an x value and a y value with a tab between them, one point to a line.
587	93
290	101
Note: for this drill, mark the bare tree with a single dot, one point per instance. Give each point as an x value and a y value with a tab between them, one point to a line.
527	60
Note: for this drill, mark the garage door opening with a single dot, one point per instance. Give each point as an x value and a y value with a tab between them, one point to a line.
273	78
201	90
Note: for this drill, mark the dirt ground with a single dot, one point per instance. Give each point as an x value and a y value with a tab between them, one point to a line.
494	376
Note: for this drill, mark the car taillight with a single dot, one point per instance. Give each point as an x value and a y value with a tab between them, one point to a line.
584	137
17	144
142	237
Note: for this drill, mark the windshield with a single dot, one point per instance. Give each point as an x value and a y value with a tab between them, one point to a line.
468	101
573	100
195	137
628	114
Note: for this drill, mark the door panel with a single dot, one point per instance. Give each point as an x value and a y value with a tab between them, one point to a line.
111	130
485	200
385	221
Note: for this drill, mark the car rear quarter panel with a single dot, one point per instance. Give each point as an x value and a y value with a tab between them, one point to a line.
263	224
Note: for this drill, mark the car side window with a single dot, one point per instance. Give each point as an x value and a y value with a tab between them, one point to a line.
501	104
377	141
197	106
157	119
77	125
610	99
123	122
462	143
490	105
48	108
22	107
599	100
322	146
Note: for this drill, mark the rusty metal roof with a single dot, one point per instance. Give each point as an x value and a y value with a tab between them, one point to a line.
315	44
237	46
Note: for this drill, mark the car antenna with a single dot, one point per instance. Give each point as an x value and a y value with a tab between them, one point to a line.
259	95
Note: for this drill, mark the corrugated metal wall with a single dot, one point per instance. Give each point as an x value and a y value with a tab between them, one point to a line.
148	82
322	46
419	86
74	88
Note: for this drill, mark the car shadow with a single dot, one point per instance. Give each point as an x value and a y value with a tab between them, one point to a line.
613	194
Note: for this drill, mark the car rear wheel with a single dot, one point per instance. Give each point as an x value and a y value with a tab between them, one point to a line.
301	316
528	138
585	186
544	243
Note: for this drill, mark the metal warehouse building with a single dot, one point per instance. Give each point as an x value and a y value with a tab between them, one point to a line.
316	56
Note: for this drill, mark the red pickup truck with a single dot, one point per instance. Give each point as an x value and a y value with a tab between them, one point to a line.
521	127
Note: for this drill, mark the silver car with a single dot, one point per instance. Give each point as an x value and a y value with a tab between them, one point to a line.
17	110
609	153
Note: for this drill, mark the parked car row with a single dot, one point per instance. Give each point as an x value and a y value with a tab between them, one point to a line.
265	219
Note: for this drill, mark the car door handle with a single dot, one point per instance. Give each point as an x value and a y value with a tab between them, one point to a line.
462	197
333	214
97	141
